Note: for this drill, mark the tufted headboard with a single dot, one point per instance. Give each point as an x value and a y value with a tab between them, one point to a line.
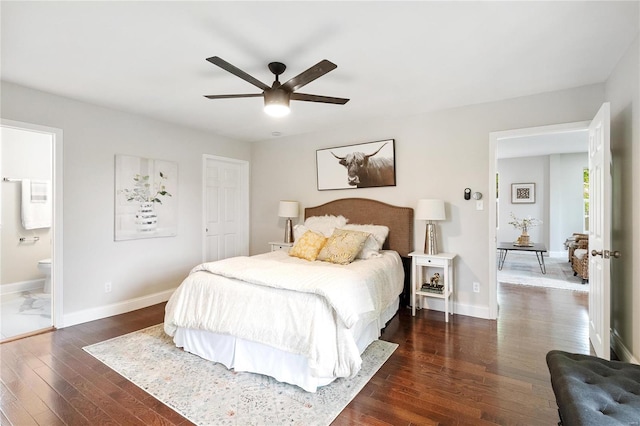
364	211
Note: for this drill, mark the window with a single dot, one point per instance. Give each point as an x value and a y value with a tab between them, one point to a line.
585	198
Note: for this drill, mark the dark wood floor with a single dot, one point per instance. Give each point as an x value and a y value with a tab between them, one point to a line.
465	372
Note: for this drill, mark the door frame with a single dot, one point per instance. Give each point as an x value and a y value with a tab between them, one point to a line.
57	285
494	138
244	197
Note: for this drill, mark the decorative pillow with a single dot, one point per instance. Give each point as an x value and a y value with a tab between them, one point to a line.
579	253
370	249
325	224
343	246
379	232
308	246
298	231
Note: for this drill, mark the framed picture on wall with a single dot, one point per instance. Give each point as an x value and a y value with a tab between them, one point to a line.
365	165
146	192
523	193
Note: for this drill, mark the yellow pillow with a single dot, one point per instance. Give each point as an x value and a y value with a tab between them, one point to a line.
308	246
343	246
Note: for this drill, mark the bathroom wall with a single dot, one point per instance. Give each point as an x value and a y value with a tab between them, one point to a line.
28	155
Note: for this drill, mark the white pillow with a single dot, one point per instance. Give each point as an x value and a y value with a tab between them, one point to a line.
579	253
325	224
298	231
370	249
379	232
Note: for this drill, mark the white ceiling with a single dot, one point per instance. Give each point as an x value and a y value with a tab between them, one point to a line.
394	58
566	142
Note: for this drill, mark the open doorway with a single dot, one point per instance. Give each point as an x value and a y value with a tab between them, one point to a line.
30	255
548	163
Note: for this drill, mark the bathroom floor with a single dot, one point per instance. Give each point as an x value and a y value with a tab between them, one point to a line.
24	312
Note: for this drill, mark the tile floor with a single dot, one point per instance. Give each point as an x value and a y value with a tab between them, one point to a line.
24	312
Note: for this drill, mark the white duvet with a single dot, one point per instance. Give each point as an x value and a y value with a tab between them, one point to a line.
306	308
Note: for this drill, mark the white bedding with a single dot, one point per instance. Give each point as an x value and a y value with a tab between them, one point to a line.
299	307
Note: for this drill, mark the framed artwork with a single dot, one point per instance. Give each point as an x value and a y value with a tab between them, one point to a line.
523	193
146	198
364	165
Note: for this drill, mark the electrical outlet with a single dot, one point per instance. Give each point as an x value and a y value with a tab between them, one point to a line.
107	287
476	287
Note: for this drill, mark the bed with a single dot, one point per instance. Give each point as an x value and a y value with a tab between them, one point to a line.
300	322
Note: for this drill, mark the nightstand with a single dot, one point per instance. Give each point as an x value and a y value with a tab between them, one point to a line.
426	265
279	245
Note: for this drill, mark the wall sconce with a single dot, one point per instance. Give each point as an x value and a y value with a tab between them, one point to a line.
288	209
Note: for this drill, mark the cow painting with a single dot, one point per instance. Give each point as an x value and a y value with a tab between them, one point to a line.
367	170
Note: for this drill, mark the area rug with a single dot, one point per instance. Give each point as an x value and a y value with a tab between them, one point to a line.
208	393
523	269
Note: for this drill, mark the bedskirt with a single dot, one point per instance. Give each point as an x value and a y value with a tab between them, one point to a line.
245	355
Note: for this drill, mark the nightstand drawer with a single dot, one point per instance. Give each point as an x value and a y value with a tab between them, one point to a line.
424	261
276	245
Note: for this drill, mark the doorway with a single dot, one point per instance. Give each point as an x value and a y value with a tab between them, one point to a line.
509	139
31	253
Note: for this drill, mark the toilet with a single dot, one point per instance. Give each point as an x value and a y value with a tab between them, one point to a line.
44	266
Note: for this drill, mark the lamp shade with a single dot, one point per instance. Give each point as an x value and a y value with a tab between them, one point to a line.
276	103
430	210
288	209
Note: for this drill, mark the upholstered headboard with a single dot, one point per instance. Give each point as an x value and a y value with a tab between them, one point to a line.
363	211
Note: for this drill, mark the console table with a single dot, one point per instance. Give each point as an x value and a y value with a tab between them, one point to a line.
538	248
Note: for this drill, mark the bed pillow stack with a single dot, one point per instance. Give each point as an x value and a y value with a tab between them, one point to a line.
343	242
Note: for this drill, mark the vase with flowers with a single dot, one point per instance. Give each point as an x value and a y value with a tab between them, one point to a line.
146	195
523	224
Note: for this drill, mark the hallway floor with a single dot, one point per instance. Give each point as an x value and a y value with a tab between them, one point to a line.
24	312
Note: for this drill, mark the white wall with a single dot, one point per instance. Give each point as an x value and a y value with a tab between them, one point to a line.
92	137
622	90
523	170
437	155
25	155
566	203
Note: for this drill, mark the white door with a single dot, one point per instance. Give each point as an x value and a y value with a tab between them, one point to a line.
600	232
226	208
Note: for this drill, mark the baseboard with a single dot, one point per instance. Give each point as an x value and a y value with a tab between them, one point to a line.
100	312
559	254
458	308
21	286
621	350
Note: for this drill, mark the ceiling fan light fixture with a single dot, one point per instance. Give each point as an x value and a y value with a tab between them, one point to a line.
276	103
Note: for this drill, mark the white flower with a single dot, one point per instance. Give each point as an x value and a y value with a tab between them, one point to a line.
524	223
141	191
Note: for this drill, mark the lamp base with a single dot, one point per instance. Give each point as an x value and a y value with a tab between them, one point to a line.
288	231
430	239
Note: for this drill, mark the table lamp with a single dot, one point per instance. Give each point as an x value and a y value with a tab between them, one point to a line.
288	209
430	210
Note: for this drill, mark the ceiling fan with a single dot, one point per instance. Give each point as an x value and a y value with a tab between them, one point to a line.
277	97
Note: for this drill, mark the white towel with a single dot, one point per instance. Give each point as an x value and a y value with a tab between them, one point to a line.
36	204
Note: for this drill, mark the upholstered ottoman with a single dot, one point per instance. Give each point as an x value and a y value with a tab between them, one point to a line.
593	391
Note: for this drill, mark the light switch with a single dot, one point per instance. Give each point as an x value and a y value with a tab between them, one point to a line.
480	205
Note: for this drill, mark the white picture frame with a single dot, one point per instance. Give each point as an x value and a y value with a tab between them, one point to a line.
523	193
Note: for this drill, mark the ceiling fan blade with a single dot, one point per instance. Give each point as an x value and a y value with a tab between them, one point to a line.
249	95
317	98
215	60
306	77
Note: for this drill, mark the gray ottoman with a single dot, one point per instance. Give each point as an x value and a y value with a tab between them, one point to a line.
593	391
